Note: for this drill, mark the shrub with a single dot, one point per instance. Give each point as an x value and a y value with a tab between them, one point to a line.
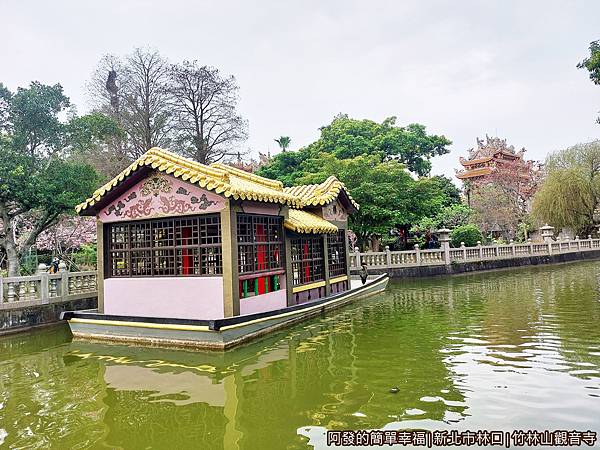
85	258
469	234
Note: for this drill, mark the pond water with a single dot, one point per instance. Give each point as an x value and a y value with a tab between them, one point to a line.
499	350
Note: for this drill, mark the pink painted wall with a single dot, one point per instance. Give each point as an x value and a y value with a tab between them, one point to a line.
260	208
171	297
161	195
264	302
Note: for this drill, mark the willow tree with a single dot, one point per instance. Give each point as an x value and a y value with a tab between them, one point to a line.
570	194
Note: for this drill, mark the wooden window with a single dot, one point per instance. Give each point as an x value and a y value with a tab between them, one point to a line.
177	246
260	253
260	243
336	249
307	260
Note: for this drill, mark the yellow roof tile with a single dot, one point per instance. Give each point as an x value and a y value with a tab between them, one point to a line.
304	222
222	179
320	194
474	172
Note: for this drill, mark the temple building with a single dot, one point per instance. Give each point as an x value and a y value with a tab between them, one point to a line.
499	185
494	161
180	239
491	157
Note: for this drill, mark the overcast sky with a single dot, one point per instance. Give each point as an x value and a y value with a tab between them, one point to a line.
462	68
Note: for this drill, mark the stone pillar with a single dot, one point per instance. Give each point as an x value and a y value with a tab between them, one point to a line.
464	250
418	254
480	250
388	257
444	238
64	280
42	270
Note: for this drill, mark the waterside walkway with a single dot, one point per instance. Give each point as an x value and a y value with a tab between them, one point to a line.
447	260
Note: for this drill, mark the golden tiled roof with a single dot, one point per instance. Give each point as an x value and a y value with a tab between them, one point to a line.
304	222
474	173
219	178
470	162
320	194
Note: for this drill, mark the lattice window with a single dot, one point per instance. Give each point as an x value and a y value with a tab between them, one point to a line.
260	243
307	260
336	249
189	246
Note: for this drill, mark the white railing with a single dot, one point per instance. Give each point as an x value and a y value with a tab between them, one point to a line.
445	256
44	288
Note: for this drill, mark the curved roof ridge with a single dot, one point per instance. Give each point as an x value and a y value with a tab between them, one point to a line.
322	193
218	178
274	184
186	162
302	221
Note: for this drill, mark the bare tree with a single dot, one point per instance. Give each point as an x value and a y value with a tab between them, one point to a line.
204	104
133	90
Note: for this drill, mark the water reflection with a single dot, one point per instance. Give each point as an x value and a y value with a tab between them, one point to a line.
504	350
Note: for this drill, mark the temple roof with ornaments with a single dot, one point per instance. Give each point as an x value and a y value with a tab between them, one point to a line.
490	155
231	182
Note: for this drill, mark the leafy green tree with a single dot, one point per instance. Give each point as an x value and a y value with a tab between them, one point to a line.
347	138
94	139
287	167
450	217
592	64
469	234
283	142
32	118
372	160
389	196
570	194
37	182
411	145
449	189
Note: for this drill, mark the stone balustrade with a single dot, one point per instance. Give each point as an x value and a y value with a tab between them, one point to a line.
447	255
44	288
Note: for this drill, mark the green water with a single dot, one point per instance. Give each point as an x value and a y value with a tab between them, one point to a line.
501	350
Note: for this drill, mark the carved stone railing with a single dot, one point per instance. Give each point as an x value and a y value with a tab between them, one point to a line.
45	288
446	255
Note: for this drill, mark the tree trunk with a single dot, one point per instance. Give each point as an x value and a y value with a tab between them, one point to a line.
374	243
12	255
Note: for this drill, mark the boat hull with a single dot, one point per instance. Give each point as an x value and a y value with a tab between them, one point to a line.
219	334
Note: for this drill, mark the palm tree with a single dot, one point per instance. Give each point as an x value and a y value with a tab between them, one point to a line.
284	142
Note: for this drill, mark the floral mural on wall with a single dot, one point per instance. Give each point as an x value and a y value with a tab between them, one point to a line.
161	195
